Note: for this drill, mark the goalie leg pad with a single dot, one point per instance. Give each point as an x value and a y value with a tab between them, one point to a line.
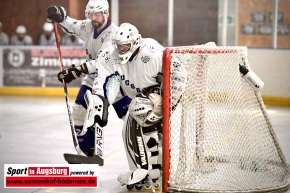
150	136
141	145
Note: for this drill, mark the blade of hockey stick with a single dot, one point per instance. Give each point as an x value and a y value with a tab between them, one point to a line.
75	141
79	159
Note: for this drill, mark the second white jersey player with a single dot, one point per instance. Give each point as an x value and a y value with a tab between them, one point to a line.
96	32
94	41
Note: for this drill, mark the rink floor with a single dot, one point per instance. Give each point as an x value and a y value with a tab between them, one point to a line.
35	130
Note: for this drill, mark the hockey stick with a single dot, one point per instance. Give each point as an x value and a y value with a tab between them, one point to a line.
81	157
75	141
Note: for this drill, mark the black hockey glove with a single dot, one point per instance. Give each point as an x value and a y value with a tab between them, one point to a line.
68	75
56	13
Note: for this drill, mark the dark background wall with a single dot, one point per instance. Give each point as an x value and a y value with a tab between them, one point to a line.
149	16
32	14
195	21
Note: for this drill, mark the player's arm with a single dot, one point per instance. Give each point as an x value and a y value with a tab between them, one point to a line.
86	68
68	25
72	73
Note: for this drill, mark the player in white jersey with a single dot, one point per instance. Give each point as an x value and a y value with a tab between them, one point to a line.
136	63
47	38
96	32
21	37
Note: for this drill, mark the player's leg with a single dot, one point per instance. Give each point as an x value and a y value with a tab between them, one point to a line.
79	108
141	145
83	123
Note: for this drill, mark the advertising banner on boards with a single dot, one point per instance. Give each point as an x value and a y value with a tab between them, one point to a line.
38	66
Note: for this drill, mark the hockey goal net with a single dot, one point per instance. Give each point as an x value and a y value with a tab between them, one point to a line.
219	137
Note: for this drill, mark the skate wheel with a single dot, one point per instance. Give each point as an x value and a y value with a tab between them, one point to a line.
130	187
138	187
147	187
157	185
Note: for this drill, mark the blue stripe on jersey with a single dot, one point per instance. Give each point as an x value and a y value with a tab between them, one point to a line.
96	35
66	30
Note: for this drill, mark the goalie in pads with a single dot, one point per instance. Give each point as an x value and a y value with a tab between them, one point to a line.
135	66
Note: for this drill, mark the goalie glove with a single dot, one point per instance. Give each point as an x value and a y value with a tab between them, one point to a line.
68	75
145	110
56	13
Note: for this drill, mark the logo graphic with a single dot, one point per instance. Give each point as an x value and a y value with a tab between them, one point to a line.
51	175
16	58
145	59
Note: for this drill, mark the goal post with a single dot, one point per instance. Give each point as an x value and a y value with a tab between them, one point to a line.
219	137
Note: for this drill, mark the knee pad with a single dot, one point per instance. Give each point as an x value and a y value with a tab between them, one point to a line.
78	114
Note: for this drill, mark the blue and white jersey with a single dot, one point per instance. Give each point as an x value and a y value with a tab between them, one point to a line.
94	42
143	71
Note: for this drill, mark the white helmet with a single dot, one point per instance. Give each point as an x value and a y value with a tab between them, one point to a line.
47	27
126	34
94	6
21	29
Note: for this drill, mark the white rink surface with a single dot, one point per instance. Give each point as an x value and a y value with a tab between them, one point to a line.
35	130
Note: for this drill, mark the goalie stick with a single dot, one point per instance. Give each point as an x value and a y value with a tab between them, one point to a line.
81	157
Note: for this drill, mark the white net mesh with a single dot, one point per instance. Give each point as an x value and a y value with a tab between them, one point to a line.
221	138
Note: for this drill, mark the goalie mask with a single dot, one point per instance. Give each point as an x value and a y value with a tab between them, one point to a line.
96	6
126	41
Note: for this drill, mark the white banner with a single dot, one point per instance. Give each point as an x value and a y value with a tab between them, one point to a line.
51	175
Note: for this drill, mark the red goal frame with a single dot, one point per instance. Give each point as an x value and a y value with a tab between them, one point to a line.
166	99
